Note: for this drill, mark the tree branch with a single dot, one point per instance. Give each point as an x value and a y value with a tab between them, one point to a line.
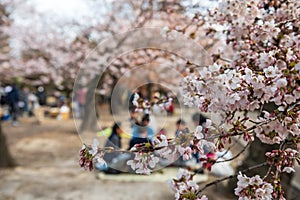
237	155
229	177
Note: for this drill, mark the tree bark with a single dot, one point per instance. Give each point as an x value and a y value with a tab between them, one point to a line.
6	159
90	117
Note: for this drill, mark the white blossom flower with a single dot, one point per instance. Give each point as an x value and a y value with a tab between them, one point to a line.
270	72
256	188
266	59
281	83
294	129
234	79
288	169
255	180
143	163
183	184
243	181
198	132
95	147
204	197
153	161
185	152
214	68
289	98
296	93
99	158
135	99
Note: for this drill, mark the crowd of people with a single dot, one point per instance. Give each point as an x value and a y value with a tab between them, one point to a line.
141	133
16	102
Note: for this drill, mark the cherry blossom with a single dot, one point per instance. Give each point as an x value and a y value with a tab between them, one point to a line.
184	186
253	188
257	63
143	163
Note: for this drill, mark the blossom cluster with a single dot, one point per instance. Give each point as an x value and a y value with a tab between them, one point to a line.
185	145
278	129
184	186
85	160
264	68
143	163
283	160
253	188
144	105
91	155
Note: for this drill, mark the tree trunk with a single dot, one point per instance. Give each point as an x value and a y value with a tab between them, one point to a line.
115	100
5	159
89	121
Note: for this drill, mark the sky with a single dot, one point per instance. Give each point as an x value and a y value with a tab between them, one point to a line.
64	9
51	13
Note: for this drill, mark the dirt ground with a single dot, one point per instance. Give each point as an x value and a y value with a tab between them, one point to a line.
47	158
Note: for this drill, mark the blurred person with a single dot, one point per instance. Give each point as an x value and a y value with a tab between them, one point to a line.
219	169
80	98
12	99
41	95
170	108
75	106
2	96
107	132
144	123
152	123
180	127
198	119
35	108
62	100
23	103
3	112
133	118
113	141
139	137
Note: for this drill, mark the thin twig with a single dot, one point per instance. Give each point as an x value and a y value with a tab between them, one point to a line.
269	171
237	155
225	59
228	149
255	126
229	177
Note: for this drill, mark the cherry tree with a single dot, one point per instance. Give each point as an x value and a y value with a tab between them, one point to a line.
263	68
53	54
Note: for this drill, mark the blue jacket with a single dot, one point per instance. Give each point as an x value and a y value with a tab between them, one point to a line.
150	132
12	97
